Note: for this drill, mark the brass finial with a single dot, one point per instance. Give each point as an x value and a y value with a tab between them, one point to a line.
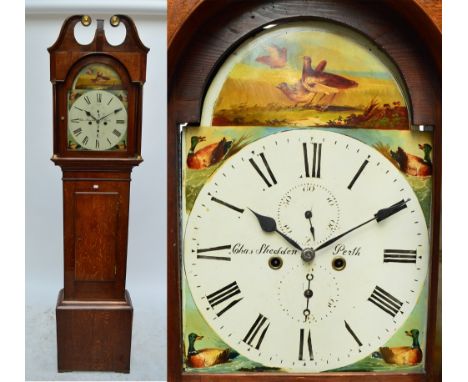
115	21
85	20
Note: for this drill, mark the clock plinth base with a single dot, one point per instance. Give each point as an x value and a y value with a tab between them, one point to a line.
94	335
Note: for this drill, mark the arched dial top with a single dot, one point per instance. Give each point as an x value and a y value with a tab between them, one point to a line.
294	192
307	73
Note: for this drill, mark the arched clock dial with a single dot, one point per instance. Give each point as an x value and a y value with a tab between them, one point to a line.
97	120
306	250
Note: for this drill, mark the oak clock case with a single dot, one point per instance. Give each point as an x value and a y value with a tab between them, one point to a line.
306	234
97	142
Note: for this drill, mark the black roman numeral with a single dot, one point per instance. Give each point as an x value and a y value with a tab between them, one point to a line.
120	121
76	120
117	133
223	295
260	322
348	328
99	97
77	131
240	210
385	301
110	101
219	248
108	140
97	143
262	175
316	160
86	98
399	256
361	169
85	140
301	345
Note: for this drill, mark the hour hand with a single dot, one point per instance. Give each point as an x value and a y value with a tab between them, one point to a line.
88	114
268	224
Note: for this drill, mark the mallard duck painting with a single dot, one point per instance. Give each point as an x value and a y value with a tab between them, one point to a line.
207	357
412	164
404	355
208	155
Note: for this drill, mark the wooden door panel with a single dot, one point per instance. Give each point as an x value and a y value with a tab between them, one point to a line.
96	242
96	227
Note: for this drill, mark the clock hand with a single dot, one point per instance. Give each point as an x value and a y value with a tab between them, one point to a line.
308	293
268	224
379	216
88	114
114	112
308	215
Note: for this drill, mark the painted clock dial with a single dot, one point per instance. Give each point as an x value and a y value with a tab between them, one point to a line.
97	120
306	250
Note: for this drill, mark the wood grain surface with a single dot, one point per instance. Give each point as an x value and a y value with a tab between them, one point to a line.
94	335
96	223
179	10
434	9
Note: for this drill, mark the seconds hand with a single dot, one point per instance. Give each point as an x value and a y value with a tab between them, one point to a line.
308	216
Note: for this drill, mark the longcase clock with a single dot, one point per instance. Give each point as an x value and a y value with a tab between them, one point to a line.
97	100
304	211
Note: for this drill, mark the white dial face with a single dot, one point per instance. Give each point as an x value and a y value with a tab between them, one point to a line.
97	120
294	297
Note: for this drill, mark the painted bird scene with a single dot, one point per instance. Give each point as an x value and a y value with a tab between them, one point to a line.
205	153
406	355
97	76
307	76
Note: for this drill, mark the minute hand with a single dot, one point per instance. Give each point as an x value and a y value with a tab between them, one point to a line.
379	216
114	112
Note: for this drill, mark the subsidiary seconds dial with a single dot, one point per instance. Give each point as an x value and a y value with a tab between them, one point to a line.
97	120
314	192
310	211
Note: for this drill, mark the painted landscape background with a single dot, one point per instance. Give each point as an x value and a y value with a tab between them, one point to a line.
306	74
97	76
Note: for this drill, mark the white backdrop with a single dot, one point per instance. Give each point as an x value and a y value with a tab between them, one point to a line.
146	267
